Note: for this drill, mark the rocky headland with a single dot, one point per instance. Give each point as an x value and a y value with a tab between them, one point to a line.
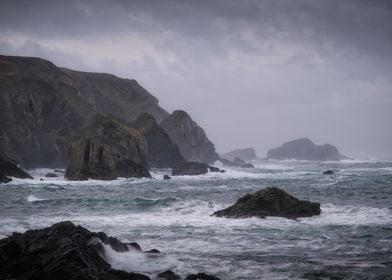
271	201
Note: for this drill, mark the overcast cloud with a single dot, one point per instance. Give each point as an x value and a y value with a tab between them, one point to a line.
252	73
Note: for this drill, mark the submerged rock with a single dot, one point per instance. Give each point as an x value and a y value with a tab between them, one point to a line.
193	168
62	251
51	175
305	149
166	177
271	201
328	172
106	150
162	152
201	276
190	138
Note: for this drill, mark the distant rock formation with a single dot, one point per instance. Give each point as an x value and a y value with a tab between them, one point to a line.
65	251
43	107
106	150
189	137
271	201
193	168
161	152
9	169
236	163
305	149
246	154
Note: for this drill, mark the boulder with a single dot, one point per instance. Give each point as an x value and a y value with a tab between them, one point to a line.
51	175
305	149
162	152
168	275
271	201
246	154
106	150
62	251
43	107
193	168
201	276
166	177
9	169
328	172
190	138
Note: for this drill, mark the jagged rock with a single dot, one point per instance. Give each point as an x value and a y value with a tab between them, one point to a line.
8	168
106	150
201	276
328	172
190	138
168	275
62	251
166	177
193	168
43	107
271	201
162	152
305	149
51	175
246	154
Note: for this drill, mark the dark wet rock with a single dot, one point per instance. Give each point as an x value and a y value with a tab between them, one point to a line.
4	179
51	175
41	179
162	152
166	177
168	275
9	169
59	171
328	172
201	276
193	168
62	251
43	107
305	149
153	251
271	201
106	150
246	154
190	138
135	246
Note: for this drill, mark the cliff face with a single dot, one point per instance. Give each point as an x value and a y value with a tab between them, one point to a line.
42	106
162	152
245	154
106	150
190	138
305	149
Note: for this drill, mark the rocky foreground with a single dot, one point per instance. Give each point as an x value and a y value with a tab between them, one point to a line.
68	252
271	201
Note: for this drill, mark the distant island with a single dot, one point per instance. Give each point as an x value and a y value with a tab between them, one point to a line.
305	149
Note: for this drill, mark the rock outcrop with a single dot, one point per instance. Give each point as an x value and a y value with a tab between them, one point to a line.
106	150
190	138
193	168
43	107
271	201
328	172
161	152
65	251
237	163
305	149
9	169
246	154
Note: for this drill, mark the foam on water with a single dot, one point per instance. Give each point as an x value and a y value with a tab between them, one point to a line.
33	198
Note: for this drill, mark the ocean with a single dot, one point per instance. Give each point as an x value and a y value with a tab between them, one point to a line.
351	239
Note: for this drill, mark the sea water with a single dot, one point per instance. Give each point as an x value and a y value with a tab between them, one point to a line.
351	239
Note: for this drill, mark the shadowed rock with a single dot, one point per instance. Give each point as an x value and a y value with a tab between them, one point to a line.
162	152
305	149
166	177
9	169
201	276
193	168
51	175
106	150
328	172
271	201
62	251
168	275
190	138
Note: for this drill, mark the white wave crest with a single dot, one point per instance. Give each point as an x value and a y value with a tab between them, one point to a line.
33	198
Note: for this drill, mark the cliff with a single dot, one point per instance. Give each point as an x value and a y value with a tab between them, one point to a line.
190	138
42	106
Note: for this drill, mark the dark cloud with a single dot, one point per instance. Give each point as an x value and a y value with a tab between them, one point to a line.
251	72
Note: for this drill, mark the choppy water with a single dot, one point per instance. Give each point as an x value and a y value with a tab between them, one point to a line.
352	239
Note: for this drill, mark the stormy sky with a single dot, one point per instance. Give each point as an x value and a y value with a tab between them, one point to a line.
251	73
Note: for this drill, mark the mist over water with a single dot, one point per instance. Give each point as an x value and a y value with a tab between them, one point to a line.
351	239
